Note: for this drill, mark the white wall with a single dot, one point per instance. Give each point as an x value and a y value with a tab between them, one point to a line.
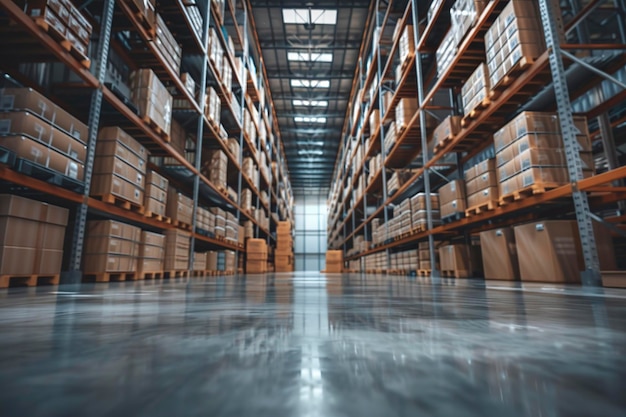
310	237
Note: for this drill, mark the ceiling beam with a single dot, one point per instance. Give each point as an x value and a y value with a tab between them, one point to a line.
332	46
324	4
278	72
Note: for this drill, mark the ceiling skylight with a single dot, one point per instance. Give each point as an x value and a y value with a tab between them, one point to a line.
314	103
306	119
311	83
310	16
310	56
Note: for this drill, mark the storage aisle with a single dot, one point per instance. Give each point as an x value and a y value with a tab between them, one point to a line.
312	345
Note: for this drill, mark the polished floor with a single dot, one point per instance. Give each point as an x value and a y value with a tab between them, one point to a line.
307	344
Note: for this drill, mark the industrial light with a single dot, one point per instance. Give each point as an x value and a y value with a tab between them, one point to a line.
313	103
305	119
310	152
311	84
310	16
310	56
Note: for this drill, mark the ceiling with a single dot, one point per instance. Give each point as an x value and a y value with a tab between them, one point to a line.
310	96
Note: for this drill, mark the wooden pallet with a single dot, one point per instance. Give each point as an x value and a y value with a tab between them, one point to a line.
453	217
158	217
527	192
50	29
157	129
120	202
181	225
488	206
76	53
512	75
424	272
29	280
149	27
144	275
476	111
183	273
111	276
455	274
443	143
197	274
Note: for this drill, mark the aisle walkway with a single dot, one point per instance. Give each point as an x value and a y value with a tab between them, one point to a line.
311	345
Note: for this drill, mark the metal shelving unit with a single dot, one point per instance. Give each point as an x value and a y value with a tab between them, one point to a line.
551	71
95	101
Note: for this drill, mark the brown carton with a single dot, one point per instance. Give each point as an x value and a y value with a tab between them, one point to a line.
37	8
211	261
107	184
549	251
484	180
157	180
34	151
453	207
156	193
17	261
95	264
107	165
120	151
115	134
49	262
27	124
30	100
483	197
111	246
112	228
448	128
153	206
499	254
454	190
456	260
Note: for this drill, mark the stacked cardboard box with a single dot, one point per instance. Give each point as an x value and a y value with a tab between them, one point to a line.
516	35
155	198
205	220
419	218
283	256
178	139
499	254
177	247
199	261
432	9
425	263
407	46
169	48
151	98
66	19
464	14
195	18
179	207
529	152
231	228
226	74
455	260
147	10
452	198
111	246
31	237
447	129
151	253
391	135
445	52
216	168
334	261
216	52
248	229
120	166
39	131
230	264
211	261
405	110
256	256
213	107
481	184
220	221
234	148
476	89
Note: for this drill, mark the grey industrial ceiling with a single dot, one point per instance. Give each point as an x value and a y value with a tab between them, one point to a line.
310	51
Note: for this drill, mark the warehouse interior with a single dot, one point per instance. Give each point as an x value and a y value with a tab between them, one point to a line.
328	208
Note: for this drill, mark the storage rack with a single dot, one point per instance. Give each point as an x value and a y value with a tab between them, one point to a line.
351	214
29	54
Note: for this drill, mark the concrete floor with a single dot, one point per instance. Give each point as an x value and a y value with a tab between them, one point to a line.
306	344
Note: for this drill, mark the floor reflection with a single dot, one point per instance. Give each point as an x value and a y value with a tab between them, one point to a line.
312	345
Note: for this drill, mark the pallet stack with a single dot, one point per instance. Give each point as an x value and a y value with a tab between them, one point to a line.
155	197
419	219
32	240
119	171
334	261
41	133
530	154
151	255
169	48
445	131
216	169
111	251
481	185
475	91
256	256
452	199
179	208
152	99
177	245
283	256
515	39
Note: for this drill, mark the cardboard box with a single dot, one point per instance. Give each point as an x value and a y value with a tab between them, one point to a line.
453	207
95	264
38	8
484	196
456	259
499	254
481	182
111	165
49	262
454	190
105	184
448	128
549	251
488	165
152	177
131	153
256	267
155	193
111	246
34	151
405	110
17	260
154	206
179	206
28	124
114	229
30	100
149	265
211	261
